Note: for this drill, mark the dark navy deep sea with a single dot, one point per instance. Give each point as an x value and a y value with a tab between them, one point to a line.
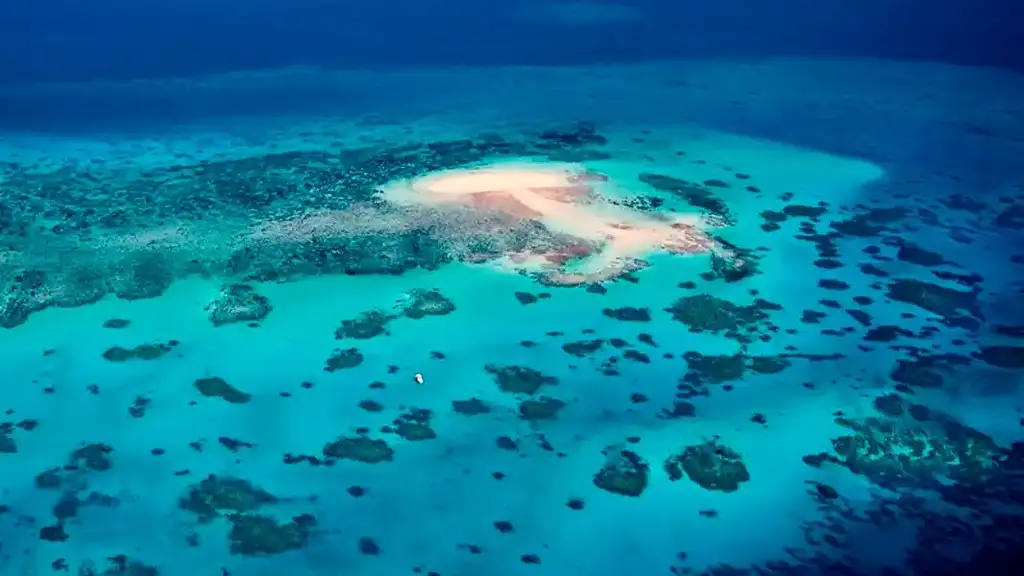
519	288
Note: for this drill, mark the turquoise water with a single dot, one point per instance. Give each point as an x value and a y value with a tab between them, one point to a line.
850	406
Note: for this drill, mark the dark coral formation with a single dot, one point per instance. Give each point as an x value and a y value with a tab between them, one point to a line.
711	465
414	425
628	314
719	368
948	303
140	352
624	472
259	535
911	446
925	369
117	565
519	379
734	265
94	456
239	502
582	348
1012	217
542	408
424	303
239	303
218	495
706	313
217	387
367	325
343	359
359	449
471	407
700	196
1009	357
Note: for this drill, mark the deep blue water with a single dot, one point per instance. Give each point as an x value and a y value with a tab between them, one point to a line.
76	41
67	40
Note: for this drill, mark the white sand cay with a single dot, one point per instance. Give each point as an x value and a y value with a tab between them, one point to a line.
566	200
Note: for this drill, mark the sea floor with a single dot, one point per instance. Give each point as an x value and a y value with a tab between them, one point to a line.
853	406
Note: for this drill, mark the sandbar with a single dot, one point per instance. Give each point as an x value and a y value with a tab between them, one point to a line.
566	199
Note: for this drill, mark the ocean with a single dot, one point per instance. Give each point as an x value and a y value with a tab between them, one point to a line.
790	343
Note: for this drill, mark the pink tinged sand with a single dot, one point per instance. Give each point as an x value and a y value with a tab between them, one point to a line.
566	199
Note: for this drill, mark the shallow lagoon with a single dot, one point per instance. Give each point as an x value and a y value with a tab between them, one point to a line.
840	408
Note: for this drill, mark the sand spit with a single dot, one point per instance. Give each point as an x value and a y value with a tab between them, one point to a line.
566	199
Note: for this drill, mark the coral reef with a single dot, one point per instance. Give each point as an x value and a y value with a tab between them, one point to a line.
239	303
285	216
711	465
624	473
